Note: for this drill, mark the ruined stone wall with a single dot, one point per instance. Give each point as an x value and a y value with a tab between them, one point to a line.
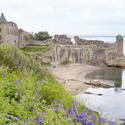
2	33
93	53
9	33
62	39
79	41
21	42
76	54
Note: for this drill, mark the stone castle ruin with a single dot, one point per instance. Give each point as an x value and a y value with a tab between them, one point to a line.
62	39
9	33
83	51
62	48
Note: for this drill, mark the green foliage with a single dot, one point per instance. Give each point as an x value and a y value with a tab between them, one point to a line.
66	62
28	37
119	37
45	64
42	36
17	90
12	57
35	48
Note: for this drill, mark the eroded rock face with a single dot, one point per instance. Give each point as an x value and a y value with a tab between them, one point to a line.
62	39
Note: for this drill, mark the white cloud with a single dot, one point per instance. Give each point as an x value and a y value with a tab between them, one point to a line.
67	16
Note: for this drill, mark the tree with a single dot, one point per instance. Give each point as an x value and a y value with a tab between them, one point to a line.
28	37
42	36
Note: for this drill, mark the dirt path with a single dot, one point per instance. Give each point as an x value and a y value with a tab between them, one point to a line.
72	76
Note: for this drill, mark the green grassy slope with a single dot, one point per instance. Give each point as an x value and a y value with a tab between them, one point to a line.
31	96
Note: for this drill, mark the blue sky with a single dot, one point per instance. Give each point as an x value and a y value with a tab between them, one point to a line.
93	17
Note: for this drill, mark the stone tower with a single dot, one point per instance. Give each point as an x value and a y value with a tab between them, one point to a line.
2	18
9	33
76	38
119	45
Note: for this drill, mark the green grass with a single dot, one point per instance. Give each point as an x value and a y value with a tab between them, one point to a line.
45	64
12	57
35	49
27	85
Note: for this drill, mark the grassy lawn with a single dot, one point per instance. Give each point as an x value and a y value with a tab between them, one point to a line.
35	49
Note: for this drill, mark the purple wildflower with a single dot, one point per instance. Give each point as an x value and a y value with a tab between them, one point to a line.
30	118
99	119
103	120
24	121
30	110
39	82
18	93
2	73
87	109
42	118
8	117
18	81
44	113
25	107
17	118
38	92
54	101
37	119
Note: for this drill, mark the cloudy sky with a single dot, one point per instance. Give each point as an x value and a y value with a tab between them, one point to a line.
91	17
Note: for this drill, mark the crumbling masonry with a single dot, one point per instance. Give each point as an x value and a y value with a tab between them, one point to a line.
83	51
9	33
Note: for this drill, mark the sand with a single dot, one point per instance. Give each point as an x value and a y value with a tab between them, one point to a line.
72	76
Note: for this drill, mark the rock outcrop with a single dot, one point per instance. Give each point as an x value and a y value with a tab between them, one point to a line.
119	62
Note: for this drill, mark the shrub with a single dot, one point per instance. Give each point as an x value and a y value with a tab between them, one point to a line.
42	36
66	62
28	37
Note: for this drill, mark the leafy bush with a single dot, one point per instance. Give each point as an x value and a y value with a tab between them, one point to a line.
42	36
28	37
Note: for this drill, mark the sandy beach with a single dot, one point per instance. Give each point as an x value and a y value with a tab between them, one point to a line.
72	76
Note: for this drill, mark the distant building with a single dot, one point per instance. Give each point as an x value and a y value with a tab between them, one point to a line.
9	33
